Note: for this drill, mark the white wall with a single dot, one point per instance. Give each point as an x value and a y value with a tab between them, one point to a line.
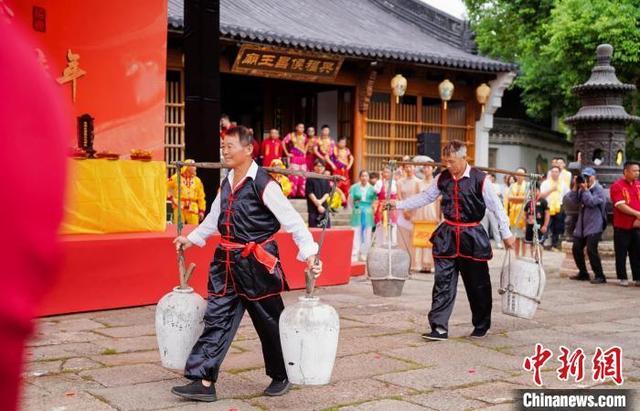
485	123
328	111
510	157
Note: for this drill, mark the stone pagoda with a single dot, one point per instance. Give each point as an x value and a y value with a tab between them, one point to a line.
599	125
599	142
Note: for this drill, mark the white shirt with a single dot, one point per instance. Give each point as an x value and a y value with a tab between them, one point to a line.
275	201
491	200
499	190
562	187
378	187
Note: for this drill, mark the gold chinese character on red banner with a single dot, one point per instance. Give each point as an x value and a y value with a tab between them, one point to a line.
251	58
298	64
267	60
312	66
327	67
283	62
72	73
287	63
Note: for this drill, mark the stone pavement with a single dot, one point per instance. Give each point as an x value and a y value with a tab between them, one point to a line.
107	360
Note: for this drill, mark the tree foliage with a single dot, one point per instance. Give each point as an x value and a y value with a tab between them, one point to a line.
554	43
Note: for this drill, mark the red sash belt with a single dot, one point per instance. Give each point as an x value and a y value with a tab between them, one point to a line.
461	224
263	256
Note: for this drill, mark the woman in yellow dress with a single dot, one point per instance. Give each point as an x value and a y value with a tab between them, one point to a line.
283	180
514	201
191	195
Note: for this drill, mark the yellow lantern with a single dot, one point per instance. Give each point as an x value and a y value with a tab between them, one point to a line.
446	91
398	86
482	94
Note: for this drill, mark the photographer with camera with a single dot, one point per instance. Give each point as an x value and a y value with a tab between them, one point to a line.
589	198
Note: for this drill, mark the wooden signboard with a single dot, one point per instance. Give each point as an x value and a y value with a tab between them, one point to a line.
277	62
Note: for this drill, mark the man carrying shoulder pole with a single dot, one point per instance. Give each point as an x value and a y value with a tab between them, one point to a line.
460	244
246	273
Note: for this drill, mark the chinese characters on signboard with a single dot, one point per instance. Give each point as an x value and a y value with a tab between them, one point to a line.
278	62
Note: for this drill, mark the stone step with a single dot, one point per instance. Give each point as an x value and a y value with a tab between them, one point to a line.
341	218
336	220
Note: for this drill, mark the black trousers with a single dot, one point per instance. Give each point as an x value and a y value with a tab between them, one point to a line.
556	228
627	242
477	283
221	320
591	242
315	218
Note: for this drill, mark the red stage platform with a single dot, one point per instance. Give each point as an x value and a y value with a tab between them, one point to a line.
124	270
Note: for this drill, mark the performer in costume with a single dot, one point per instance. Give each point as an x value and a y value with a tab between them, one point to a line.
256	147
514	202
361	198
312	142
191	195
246	273
553	189
271	148
325	148
283	180
383	216
338	199
225	124
343	160
460	244
297	155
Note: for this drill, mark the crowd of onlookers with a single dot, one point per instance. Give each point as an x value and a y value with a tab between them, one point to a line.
584	198
547	210
301	149
536	217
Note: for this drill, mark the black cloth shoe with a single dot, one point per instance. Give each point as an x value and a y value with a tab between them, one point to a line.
478	333
579	277
277	388
435	336
196	391
599	280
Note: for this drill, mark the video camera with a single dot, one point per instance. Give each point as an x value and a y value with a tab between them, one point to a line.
575	167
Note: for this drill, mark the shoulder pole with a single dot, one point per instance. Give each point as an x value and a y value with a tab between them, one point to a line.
485	169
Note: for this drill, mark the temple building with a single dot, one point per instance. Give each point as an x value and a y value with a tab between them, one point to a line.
289	62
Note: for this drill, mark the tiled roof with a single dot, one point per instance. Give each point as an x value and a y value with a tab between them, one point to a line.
399	30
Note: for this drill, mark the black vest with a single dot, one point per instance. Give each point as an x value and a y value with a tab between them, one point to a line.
245	218
463	206
462	199
243	215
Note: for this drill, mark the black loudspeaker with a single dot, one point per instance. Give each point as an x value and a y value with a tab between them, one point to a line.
429	145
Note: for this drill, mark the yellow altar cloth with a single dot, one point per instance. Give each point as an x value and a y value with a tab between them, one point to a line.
105	196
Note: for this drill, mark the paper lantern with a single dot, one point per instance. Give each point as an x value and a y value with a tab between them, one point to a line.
398	86
446	91
482	94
